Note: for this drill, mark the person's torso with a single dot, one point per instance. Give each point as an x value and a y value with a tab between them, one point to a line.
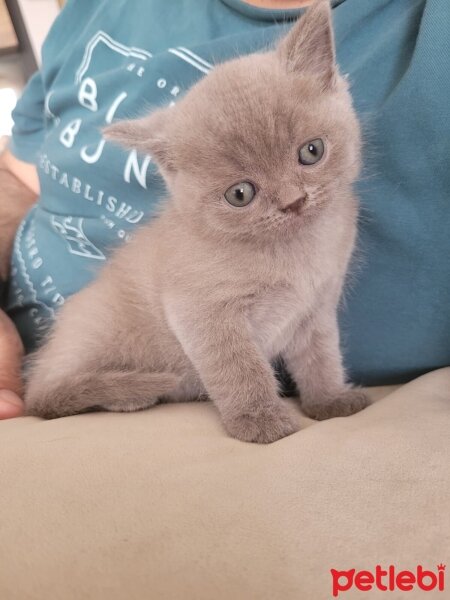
117	59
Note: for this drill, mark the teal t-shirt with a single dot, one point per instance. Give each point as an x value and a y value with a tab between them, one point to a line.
115	59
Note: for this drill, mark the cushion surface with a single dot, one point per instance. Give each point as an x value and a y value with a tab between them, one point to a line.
162	504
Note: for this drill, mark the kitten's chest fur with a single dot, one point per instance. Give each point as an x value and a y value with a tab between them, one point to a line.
277	288
273	317
287	299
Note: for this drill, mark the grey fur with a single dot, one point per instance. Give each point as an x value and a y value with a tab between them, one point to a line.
207	294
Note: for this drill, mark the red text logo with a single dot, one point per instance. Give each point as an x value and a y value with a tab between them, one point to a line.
388	579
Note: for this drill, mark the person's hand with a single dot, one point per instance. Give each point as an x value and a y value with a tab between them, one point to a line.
11	352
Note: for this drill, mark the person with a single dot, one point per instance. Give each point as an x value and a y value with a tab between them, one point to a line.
67	198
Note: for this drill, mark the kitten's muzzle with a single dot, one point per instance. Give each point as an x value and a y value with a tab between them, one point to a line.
296	206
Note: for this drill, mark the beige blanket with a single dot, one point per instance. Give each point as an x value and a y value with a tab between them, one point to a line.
163	505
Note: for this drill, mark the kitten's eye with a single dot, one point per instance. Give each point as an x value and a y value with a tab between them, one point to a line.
240	194
312	152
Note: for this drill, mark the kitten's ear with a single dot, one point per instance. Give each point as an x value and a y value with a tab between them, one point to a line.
147	135
309	46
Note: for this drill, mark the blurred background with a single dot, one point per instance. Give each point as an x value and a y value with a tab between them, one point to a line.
23	27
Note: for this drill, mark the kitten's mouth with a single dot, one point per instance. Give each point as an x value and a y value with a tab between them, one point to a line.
295	207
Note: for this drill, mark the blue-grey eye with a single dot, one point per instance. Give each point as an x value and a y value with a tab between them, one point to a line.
240	194
311	152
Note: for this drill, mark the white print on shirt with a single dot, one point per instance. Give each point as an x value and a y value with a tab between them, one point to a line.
88	92
121	233
193	59
136	166
91	194
94	157
88	98
48	113
71	230
89	95
40	317
103	38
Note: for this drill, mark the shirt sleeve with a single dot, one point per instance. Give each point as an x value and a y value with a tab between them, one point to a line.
29	121
29	114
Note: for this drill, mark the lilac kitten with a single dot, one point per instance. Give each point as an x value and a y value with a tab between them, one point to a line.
246	261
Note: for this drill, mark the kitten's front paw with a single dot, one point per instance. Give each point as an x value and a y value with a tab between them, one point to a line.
263	427
346	403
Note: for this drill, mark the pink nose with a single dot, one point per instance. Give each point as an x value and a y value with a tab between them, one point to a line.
295	206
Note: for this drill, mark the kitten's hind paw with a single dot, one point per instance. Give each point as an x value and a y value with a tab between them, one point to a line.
264	426
346	403
119	391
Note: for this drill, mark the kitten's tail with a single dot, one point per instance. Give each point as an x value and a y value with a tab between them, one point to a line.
119	391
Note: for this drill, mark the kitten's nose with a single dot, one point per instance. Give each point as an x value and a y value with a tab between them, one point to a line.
295	206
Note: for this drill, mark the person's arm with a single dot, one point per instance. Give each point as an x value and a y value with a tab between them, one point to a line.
19	189
19	185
